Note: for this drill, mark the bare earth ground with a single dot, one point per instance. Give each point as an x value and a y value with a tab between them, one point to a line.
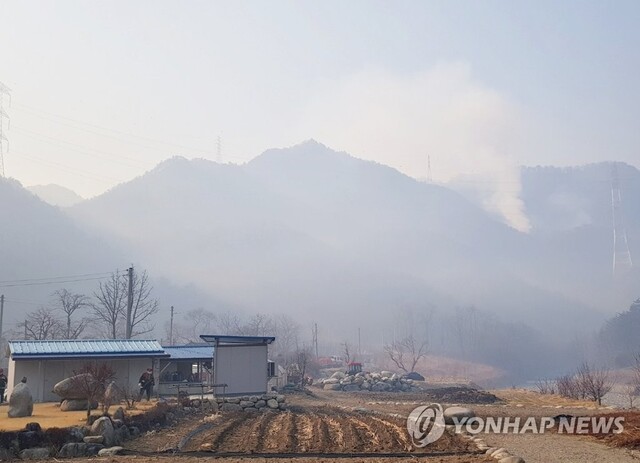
48	414
334	424
552	447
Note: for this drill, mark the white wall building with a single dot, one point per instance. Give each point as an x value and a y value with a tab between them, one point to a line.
45	363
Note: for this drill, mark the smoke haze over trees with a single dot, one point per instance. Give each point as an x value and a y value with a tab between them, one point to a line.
307	234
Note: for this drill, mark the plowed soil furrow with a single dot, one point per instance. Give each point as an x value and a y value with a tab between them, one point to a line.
239	438
398	432
291	433
335	435
274	432
321	436
353	440
305	426
217	436
256	433
371	432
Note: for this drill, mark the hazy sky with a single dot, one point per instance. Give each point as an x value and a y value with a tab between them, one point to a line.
103	91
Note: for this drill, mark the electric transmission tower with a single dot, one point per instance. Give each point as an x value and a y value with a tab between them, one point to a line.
621	254
4	90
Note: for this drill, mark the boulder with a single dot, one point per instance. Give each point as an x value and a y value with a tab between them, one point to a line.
36	453
231	407
93	439
246	403
74	405
113	394
365	385
261	403
414	376
272	403
333	387
233	400
280	398
119	414
379	387
338	375
110	451
386	374
20	402
461	414
68	388
73	450
331	381
351	388
103	427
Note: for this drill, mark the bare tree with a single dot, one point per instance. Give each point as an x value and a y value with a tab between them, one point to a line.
258	325
42	324
631	392
595	382
69	303
346	351
228	323
91	382
406	353
196	322
144	305
111	305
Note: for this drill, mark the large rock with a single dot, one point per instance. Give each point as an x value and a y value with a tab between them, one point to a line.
331	381
350	387
74	405
68	388
103	427
460	414
20	402
111	451
73	450
272	403
37	453
333	387
93	439
228	407
386	374
414	376
338	375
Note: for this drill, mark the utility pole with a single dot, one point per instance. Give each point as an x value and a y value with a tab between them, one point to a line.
315	338
171	328
1	313
129	302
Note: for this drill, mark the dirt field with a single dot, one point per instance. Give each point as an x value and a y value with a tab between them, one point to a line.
48	414
315	428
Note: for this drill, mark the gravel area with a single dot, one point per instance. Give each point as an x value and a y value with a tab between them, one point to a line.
547	448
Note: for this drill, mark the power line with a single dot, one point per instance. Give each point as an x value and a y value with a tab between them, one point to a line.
52	282
58	277
4	90
35	111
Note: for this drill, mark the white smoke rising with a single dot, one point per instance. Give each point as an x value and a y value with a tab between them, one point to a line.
466	128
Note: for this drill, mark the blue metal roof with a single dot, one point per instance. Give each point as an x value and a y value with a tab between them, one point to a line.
87	348
189	352
237	340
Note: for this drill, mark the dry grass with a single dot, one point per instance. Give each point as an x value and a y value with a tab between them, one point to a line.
528	398
48	414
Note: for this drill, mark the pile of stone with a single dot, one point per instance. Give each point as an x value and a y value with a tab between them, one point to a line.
385	381
253	403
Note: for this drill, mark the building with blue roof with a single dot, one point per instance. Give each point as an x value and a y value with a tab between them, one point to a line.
45	363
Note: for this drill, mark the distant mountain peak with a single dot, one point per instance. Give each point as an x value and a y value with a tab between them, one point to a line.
56	195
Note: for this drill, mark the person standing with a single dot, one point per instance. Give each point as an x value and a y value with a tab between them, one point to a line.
146	383
3	385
